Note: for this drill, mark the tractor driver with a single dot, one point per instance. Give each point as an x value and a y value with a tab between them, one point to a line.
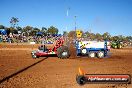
41	47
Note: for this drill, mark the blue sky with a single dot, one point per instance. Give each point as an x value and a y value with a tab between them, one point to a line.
99	16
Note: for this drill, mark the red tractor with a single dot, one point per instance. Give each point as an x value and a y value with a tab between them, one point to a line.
59	50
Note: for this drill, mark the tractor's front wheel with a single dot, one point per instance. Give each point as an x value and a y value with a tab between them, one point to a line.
34	56
63	52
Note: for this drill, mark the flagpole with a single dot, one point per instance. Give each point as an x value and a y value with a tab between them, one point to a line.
75	27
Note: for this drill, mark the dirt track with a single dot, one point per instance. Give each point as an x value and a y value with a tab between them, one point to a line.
57	73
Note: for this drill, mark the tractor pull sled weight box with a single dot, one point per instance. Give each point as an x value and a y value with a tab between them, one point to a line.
93	49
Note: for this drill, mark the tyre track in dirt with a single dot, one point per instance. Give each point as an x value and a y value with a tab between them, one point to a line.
20	71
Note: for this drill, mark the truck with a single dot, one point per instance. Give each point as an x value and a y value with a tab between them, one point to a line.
93	49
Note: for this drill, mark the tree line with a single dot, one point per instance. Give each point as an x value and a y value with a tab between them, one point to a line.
31	31
28	30
98	36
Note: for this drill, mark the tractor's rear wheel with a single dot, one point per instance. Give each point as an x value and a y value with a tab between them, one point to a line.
63	52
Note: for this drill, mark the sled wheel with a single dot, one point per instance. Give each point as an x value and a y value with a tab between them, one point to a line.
91	54
100	54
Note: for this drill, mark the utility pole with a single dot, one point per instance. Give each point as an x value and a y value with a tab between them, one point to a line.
75	26
75	22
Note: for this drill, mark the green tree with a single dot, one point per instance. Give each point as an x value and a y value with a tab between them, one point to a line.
2	27
14	22
34	31
11	29
15	31
106	36
92	36
65	33
19	29
44	30
52	30
115	38
129	38
87	34
27	30
8	31
98	36
121	37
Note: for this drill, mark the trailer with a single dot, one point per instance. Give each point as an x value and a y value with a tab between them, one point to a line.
93	48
